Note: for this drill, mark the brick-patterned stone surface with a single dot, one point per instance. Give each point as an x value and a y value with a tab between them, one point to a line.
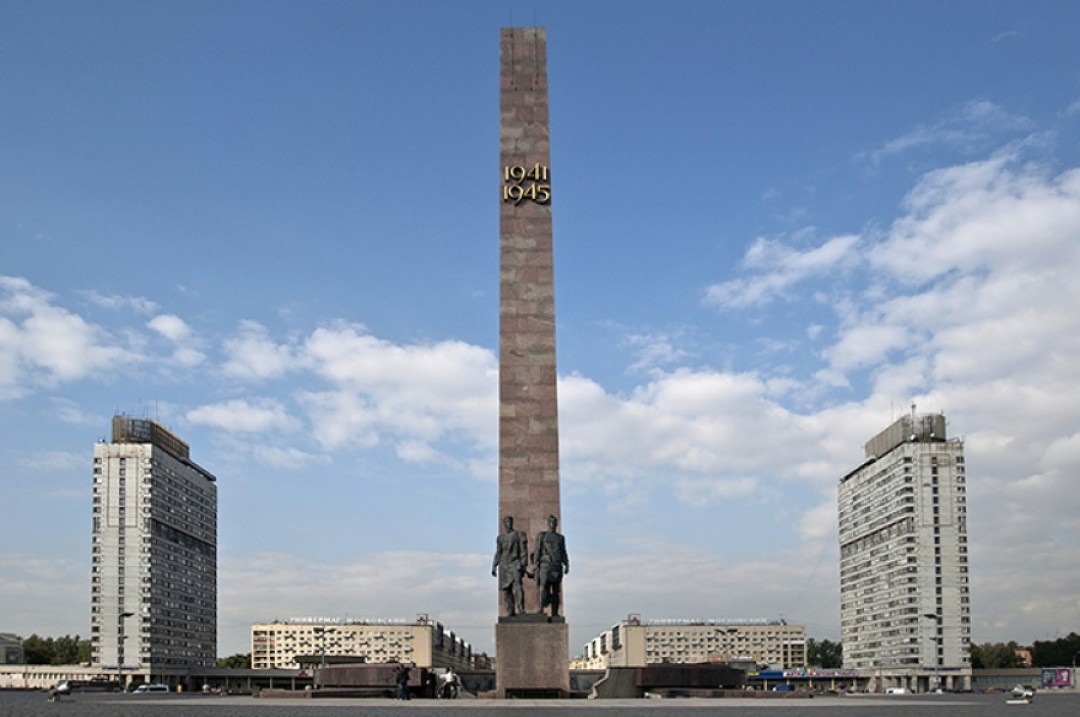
528	404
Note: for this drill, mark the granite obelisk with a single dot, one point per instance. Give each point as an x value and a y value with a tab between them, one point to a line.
531	649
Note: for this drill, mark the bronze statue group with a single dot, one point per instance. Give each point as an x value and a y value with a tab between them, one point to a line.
549	561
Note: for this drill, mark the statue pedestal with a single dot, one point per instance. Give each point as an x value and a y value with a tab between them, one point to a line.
532	657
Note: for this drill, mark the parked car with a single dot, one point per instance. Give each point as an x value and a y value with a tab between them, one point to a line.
151	688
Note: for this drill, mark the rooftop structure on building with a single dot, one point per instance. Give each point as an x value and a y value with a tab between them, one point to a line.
634	642
905	609
306	640
154	553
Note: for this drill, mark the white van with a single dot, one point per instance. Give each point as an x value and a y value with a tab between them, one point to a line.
151	688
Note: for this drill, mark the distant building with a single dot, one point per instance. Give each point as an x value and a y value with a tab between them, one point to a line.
11	649
154	553
636	643
422	642
905	613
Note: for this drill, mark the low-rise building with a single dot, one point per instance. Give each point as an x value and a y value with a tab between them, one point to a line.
11	649
422	642
636	643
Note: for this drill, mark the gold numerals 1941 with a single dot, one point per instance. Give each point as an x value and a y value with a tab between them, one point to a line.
526	183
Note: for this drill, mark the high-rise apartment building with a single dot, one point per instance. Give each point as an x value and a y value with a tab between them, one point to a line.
154	553
905	615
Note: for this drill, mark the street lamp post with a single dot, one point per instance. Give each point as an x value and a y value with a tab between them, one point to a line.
321	632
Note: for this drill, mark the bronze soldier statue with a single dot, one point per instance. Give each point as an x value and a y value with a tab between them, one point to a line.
551	562
511	558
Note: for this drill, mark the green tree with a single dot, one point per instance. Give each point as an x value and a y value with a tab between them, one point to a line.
995	655
66	650
1056	653
236	662
38	650
824	653
85	651
977	661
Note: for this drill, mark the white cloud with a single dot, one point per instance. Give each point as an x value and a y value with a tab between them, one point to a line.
688	425
866	345
187	347
967	129
420	392
241	416
819	522
975	282
171	327
653	350
711	491
43	344
11	372
778	268
983	216
286	458
253	355
418	452
137	304
341	419
70	412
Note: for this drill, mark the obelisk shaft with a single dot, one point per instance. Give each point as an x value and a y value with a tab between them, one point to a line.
531	650
528	404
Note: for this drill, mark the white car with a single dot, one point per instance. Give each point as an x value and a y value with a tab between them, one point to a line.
897	691
151	688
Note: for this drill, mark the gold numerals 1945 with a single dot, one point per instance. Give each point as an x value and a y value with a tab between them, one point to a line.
526	183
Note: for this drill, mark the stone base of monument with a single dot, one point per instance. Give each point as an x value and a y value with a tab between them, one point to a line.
532	654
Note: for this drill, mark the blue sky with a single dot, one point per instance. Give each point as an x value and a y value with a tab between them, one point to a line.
273	226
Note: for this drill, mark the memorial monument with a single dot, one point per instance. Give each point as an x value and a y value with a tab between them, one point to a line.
531	648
